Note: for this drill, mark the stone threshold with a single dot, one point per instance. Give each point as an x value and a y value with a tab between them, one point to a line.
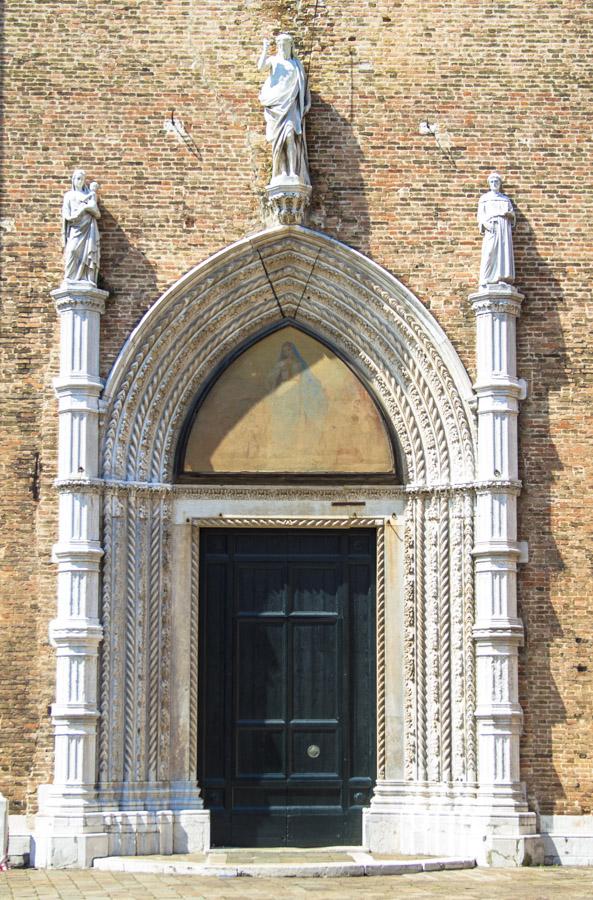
334	862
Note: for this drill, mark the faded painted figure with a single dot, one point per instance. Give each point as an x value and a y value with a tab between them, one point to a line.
80	232
496	218
286	100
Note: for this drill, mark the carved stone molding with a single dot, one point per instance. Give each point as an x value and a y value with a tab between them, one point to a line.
353	521
313	522
389	337
402	355
288	204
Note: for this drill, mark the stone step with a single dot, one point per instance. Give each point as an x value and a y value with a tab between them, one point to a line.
287	863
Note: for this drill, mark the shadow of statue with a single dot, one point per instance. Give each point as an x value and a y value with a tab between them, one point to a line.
542	361
132	284
338	205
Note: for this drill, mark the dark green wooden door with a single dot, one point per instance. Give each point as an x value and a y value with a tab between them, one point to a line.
287	685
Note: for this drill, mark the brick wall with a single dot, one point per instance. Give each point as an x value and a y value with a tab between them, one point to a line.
92	84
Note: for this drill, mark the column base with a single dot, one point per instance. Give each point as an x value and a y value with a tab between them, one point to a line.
437	820
71	837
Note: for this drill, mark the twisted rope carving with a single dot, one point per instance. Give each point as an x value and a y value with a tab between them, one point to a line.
130	649
447	385
398	359
422	773
431	559
164	368
337	279
105	656
468	640
154	631
458	666
381	653
185	385
165	647
163	329
193	651
445	640
352	339
410	656
279	522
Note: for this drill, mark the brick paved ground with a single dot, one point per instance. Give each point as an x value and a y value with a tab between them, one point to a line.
518	884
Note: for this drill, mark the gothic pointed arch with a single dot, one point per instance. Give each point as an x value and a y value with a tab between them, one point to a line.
288	277
348	300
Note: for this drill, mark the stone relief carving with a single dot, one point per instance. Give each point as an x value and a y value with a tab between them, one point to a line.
496	219
80	231
146	403
167	379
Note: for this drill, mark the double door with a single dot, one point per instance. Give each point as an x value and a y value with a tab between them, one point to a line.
287	684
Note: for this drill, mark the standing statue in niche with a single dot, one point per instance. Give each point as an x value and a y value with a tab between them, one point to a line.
80	232
496	218
286	100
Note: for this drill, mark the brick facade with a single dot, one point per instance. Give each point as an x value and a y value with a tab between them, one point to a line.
93	84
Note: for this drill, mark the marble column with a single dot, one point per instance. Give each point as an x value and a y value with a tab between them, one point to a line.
498	632
69	830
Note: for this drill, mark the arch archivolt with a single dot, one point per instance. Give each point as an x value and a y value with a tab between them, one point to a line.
407	362
346	299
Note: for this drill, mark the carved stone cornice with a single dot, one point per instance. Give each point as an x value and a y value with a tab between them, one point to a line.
497	298
72	295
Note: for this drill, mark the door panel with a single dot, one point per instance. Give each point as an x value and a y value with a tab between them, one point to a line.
287	685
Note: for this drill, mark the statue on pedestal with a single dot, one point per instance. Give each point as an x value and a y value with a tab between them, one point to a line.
80	232
286	100
496	218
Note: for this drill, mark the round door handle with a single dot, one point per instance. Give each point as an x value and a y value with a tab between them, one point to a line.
313	751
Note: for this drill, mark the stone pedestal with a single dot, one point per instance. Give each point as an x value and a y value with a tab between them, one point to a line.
288	200
69	828
498	632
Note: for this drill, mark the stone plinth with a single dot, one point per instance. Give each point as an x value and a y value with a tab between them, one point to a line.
288	201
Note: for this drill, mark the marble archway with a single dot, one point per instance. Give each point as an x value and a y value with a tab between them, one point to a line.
147	797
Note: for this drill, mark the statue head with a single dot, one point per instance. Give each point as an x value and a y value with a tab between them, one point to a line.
284	45
78	179
495	181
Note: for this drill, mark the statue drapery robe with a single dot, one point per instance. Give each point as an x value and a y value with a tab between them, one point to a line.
81	237
286	100
498	262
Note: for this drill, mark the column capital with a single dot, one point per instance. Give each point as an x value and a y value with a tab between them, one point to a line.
497	298
81	295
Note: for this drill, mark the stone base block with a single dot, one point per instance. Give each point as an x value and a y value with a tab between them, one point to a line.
191	831
53	850
61	842
568	840
19	842
492	840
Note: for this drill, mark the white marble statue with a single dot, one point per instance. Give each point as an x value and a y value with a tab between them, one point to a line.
496	218
286	100
80	232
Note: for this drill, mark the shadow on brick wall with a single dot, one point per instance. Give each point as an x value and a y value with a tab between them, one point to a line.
338	205
131	281
542	361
